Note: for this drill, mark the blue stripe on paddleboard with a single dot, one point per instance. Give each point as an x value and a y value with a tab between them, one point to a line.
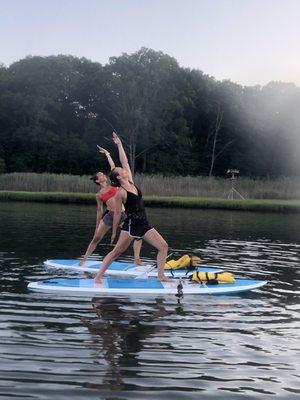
116	265
110	283
133	284
121	266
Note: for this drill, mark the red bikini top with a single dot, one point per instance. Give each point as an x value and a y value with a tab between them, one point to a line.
109	194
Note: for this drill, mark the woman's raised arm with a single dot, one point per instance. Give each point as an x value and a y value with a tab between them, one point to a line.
122	154
109	159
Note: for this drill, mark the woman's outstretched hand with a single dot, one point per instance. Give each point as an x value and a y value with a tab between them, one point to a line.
116	138
113	237
102	150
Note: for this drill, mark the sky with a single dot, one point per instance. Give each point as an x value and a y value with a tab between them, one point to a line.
247	41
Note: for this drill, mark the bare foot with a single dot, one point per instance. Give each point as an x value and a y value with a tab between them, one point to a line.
81	264
139	262
164	278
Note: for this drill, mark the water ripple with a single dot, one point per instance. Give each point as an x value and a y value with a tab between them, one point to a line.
237	347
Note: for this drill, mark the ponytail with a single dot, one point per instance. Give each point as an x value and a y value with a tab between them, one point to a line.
94	178
113	178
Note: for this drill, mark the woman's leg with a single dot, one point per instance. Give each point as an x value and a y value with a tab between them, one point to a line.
137	245
122	244
156	240
100	232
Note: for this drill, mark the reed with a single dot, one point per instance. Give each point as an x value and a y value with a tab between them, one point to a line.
33	182
284	206
47	197
158	185
280	188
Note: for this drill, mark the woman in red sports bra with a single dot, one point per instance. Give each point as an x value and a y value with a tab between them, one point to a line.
104	221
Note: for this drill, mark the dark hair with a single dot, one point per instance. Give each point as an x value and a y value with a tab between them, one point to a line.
113	178
94	178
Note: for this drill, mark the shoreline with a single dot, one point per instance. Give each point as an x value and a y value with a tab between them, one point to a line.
261	205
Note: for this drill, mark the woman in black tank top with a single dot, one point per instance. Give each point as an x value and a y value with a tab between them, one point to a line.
136	225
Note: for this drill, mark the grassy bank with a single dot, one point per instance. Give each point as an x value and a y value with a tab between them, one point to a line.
281	188
280	195
284	206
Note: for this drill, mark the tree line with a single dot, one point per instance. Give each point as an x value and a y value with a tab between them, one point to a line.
173	120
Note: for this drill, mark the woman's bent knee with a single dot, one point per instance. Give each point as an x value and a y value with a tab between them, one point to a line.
164	246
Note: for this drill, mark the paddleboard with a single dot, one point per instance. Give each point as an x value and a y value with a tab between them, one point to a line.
114	286
125	269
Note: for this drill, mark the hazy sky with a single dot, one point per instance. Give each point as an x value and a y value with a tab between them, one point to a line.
246	41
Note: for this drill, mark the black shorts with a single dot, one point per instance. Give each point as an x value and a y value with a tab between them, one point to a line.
136	228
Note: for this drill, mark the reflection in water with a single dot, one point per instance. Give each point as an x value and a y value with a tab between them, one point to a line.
234	347
119	331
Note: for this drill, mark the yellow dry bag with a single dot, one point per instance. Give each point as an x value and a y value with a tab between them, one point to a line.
183	262
213	277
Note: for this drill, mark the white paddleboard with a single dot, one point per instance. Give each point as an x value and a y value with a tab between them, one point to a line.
125	269
114	286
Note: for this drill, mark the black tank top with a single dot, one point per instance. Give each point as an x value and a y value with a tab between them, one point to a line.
134	206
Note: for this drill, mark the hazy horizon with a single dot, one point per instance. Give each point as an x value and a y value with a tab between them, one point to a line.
249	42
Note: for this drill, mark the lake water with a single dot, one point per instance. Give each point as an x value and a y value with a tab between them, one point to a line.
229	347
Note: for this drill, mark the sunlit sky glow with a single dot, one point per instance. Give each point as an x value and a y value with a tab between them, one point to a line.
247	41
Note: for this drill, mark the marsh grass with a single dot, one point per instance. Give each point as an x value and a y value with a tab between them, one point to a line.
158	185
32	182
281	188
47	197
285	206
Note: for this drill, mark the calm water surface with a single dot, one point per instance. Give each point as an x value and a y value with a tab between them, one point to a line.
229	347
